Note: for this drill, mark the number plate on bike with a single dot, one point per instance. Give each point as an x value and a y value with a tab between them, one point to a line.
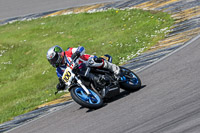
67	74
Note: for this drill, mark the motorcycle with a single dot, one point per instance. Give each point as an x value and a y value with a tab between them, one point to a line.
89	87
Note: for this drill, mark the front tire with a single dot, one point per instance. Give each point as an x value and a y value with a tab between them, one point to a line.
92	101
130	81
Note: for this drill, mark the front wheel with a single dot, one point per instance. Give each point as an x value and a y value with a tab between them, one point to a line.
92	101
129	80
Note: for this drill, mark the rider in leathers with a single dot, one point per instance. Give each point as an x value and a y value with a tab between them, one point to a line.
60	59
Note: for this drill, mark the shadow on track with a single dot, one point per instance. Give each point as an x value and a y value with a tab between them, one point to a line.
121	95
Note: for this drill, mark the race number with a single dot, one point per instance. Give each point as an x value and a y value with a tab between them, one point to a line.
66	76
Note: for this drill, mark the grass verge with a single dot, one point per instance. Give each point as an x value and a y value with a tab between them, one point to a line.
26	78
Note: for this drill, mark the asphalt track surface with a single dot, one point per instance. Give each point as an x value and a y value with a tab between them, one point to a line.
169	102
16	8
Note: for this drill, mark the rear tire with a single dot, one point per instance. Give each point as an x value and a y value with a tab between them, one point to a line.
93	101
132	81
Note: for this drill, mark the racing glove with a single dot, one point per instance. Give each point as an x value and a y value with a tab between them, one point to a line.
60	85
76	55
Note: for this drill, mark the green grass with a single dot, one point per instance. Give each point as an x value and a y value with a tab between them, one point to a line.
26	77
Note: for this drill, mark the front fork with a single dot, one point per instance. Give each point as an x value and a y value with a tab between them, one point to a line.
83	86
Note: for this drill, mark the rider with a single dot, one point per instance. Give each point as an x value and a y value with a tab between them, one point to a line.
60	59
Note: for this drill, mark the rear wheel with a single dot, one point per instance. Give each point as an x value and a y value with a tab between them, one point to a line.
92	101
129	81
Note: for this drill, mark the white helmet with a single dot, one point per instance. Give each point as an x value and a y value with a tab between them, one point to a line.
54	56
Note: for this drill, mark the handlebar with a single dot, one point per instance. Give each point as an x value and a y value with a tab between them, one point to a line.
73	60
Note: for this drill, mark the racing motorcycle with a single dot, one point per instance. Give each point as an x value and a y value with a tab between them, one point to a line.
89	87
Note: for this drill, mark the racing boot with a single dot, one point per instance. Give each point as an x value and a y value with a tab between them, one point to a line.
113	68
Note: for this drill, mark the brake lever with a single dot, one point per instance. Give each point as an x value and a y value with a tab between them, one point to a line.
56	92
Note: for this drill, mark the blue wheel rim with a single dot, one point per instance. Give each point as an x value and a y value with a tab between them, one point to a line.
93	98
133	80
